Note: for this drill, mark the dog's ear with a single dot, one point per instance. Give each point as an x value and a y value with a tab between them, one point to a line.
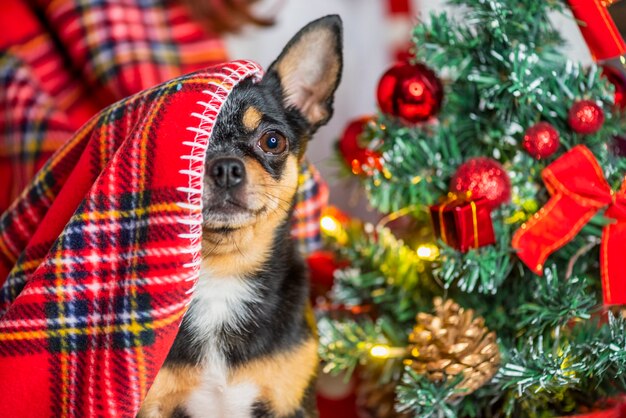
309	69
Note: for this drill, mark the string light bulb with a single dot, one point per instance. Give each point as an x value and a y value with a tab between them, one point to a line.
332	226
428	252
380	351
383	351
329	224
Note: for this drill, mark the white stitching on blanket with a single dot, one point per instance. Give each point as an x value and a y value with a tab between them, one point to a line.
195	171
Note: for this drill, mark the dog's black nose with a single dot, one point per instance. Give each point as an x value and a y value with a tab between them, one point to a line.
227	172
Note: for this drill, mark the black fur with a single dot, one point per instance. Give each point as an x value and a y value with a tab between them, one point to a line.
179	413
230	137
279	322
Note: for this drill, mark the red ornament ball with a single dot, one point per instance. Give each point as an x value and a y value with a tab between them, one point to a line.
411	92
541	140
585	117
482	177
322	266
359	158
619	82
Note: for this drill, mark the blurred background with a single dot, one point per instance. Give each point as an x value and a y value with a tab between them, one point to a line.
374	32
54	99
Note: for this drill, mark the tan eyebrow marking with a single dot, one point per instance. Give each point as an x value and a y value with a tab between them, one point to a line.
252	118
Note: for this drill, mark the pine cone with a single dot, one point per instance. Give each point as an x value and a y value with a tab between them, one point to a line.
452	342
376	400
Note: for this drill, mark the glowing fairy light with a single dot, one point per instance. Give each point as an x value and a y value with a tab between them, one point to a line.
329	224
427	252
383	351
380	351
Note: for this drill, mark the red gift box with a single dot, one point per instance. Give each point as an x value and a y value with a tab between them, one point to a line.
463	223
601	23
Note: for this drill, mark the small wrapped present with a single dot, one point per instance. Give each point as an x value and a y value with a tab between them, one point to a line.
463	223
602	23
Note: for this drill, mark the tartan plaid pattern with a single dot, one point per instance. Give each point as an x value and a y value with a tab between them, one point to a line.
101	251
31	127
123	46
63	61
79	56
311	199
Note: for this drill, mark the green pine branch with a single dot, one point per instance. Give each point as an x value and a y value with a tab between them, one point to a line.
503	71
423	398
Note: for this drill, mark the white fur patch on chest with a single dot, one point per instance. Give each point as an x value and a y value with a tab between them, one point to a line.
215	398
219	302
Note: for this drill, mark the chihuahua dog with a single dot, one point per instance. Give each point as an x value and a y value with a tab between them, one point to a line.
247	345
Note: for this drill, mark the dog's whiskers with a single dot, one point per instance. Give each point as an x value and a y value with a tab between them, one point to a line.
276	198
237	247
282	204
277	186
210	252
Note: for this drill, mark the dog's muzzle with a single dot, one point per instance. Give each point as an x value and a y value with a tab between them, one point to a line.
227	173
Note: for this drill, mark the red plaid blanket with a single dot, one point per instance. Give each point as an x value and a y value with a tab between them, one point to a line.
98	252
63	61
101	252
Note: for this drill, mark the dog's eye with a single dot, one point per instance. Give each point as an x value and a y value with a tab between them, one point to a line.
273	142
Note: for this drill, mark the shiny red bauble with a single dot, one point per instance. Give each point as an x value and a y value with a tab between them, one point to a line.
322	266
541	140
585	117
482	177
359	158
411	92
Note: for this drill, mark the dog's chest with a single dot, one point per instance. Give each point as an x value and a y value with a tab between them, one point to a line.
221	309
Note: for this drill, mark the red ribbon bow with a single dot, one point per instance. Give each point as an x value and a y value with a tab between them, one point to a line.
579	190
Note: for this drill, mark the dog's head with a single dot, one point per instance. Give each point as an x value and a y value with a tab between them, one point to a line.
260	136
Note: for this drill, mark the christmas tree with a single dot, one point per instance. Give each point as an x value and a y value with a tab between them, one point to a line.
492	286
